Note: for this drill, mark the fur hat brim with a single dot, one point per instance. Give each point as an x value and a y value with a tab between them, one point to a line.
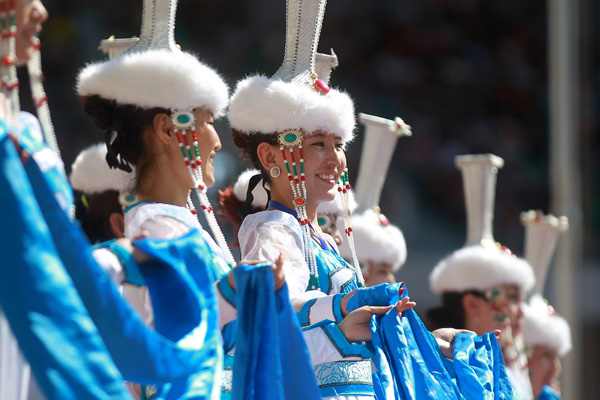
375	242
156	78
334	206
91	174
240	189
263	105
479	268
541	328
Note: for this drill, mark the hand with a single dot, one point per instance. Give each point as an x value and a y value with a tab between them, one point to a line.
378	295
138	255
445	339
277	268
356	326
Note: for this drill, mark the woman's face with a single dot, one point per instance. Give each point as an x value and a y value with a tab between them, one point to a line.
208	144
30	15
544	368
327	223
378	272
501	308
324	162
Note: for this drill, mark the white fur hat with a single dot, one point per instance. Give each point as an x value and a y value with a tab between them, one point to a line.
91	174
478	268
263	105
376	241
156	78
240	189
335	206
542	326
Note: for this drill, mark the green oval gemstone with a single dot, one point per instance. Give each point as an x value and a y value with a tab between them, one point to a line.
322	221
290	137
183	118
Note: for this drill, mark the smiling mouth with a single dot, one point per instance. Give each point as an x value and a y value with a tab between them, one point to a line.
326	177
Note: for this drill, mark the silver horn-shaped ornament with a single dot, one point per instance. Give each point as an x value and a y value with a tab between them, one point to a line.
479	173
381	136
541	235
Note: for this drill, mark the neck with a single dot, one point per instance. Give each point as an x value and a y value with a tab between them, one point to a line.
162	186
311	209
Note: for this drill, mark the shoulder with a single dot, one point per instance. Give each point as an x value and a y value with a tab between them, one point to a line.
270	219
161	220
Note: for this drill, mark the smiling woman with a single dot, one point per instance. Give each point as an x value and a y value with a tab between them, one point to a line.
30	15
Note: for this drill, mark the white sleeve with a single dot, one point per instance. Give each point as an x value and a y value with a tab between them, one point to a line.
263	236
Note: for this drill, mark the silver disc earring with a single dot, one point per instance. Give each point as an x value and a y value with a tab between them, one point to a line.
275	171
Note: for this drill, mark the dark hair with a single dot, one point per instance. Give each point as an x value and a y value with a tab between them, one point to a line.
94	214
249	145
129	122
451	313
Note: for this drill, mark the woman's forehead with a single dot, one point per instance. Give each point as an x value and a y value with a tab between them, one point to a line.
323	135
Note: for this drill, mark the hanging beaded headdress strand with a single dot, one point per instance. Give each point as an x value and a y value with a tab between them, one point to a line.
10	82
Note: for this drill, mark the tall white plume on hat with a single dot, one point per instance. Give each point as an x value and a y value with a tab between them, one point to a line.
294	97
481	263
381	137
542	325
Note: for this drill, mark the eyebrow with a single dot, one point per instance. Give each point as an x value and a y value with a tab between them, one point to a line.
322	135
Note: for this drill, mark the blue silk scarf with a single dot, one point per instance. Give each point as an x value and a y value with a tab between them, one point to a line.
49	320
271	360
409	364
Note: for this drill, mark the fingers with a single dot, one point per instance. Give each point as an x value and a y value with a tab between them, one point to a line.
141	235
278	273
379	310
249	262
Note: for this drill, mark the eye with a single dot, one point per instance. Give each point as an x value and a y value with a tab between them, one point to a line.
339	146
319	144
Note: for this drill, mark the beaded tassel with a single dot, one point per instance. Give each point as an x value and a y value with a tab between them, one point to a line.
34	66
343	189
193	162
297	182
10	82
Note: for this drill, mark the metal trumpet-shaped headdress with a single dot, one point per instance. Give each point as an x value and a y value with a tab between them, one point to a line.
381	136
482	263
541	235
295	97
542	325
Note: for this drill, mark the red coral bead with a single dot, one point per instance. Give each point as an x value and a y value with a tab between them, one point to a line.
322	86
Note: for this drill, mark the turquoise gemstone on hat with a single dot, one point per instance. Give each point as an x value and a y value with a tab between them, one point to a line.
183	118
290	137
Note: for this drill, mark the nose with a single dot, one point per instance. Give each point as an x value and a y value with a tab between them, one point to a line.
39	13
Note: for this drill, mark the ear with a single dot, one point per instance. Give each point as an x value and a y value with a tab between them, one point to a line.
471	305
163	127
117	224
267	155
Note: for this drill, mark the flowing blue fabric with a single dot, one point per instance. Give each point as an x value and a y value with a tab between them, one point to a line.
53	329
378	295
548	393
409	364
141	354
271	360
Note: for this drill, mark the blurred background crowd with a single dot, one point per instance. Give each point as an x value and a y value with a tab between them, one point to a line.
470	76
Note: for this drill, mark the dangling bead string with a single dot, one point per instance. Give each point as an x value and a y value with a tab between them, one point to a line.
10	82
34	67
344	189
297	183
193	162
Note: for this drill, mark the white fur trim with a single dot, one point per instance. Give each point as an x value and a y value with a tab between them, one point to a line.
334	206
91	174
263	105
240	189
156	78
479	268
541	328
375	242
